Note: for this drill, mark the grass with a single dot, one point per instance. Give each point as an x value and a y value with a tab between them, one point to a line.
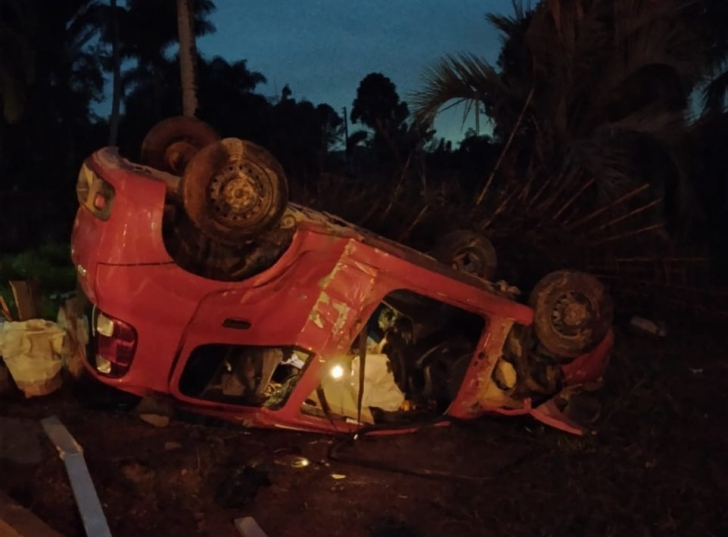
49	264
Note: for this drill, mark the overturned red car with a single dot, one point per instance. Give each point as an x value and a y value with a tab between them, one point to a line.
206	285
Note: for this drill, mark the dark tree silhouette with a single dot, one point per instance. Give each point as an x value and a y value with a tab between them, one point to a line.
57	120
17	23
332	126
150	27
378	106
586	93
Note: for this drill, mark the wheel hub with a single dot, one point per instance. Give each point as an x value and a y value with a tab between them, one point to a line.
574	314
178	154
571	314
237	193
468	262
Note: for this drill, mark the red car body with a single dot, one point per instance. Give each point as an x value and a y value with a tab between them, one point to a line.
316	297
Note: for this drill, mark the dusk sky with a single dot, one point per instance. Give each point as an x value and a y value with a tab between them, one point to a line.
323	48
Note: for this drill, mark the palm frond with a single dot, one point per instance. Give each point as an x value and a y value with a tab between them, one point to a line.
714	94
507	25
463	78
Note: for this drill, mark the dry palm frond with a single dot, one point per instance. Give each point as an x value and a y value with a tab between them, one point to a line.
714	94
463	78
593	167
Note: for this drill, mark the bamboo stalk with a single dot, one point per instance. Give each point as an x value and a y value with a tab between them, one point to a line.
501	208
484	191
397	189
713	291
586	185
653	260
631	270
540	191
630	233
559	190
416	221
625	216
605	208
527	187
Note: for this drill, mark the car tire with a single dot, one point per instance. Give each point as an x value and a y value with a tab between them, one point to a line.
171	143
233	190
468	252
572	313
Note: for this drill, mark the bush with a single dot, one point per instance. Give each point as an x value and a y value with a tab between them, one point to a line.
49	264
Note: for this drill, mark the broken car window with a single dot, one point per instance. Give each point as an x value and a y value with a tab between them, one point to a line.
417	353
243	374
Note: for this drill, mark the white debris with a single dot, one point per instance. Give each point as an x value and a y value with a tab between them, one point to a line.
32	352
647	326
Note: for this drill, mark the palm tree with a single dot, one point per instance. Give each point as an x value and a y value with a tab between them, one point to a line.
712	17
589	99
150	27
17	56
116	74
58	119
187	56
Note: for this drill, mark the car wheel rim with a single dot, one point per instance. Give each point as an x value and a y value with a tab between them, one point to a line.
238	194
178	154
571	314
469	262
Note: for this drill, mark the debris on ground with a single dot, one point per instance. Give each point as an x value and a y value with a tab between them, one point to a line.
137	472
27	299
92	514
648	327
155	410
240	487
155	419
32	353
172	446
248	527
77	337
292	461
6	381
5	310
17	521
20	441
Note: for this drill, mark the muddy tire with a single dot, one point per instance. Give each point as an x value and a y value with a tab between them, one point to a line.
468	252
233	190
171	143
572	313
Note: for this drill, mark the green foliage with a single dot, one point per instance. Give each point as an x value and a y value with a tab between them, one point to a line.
49	264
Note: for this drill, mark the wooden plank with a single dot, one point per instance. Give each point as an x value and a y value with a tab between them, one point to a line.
248	527
17	521
27	299
92	514
5	310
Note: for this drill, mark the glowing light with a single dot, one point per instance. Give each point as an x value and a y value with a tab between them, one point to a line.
337	372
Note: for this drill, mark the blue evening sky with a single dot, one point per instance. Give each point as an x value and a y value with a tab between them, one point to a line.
323	48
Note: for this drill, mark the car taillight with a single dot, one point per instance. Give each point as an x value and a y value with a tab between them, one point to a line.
94	193
115	346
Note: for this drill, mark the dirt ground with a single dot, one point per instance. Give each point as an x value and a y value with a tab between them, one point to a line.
658	466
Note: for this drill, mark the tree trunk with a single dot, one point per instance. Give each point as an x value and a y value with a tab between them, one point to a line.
116	91
187	56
